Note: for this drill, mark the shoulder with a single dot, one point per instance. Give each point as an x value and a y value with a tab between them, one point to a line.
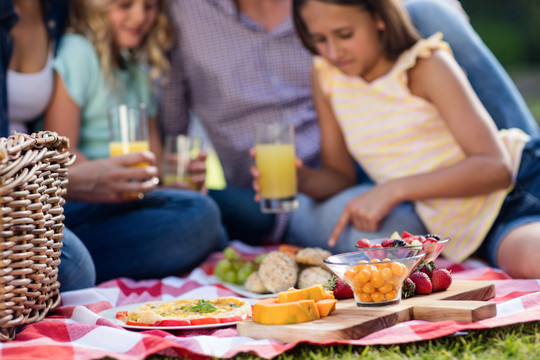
76	41
432	71
76	51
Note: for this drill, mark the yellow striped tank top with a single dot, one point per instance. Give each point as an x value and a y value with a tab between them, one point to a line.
393	134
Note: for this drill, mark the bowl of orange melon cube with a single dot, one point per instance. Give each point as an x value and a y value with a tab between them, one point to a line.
376	275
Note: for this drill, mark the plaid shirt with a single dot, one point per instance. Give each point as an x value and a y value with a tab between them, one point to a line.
234	74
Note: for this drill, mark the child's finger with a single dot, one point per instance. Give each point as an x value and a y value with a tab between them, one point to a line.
342	222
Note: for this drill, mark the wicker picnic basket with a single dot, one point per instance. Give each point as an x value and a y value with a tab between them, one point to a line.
33	180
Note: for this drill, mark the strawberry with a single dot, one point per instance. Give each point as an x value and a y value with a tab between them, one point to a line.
363	242
341	289
387	242
441	279
427	268
422	283
408	288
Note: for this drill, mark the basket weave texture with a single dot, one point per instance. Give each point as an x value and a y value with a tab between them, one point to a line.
33	181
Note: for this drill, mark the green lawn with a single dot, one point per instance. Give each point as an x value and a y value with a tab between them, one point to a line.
514	342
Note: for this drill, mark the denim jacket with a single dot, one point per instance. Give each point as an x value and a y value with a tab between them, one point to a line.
55	17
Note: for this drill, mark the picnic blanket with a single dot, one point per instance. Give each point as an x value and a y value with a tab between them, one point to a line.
76	331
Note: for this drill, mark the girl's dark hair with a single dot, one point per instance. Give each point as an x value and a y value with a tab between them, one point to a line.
398	36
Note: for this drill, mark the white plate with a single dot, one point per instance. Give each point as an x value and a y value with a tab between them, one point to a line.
241	289
110	314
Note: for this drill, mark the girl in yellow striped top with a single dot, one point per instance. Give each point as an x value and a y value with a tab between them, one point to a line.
402	108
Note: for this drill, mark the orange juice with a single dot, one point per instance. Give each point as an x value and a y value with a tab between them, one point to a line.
278	171
117	148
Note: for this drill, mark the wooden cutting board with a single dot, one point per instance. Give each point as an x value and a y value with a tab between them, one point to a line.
464	301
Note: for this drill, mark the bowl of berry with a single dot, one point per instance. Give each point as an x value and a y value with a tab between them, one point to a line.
432	244
376	275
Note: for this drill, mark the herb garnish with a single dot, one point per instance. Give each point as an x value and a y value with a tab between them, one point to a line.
203	306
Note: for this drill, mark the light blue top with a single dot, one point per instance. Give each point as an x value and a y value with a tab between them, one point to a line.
78	65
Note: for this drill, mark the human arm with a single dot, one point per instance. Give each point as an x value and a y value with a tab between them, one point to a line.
486	166
63	116
337	170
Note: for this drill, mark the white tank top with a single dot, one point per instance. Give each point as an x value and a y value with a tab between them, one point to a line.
28	95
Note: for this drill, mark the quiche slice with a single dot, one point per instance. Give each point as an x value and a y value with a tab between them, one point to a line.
191	311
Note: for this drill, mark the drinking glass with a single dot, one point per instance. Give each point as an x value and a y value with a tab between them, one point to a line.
178	152
275	159
128	131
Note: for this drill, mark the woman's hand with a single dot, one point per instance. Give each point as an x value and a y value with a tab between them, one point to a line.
257	174
110	180
366	211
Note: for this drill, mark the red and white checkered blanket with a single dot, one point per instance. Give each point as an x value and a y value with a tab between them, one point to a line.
76	331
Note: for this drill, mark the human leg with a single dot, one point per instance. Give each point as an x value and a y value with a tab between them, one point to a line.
519	252
242	216
313	222
76	269
169	232
490	81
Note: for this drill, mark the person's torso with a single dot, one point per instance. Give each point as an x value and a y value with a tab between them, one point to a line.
238	75
78	65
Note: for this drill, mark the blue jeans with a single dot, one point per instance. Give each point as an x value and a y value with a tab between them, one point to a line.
242	216
488	78
76	269
169	232
313	222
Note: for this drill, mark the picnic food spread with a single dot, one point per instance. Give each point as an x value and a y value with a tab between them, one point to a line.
182	312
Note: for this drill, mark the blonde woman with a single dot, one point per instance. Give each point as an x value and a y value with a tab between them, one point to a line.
113	51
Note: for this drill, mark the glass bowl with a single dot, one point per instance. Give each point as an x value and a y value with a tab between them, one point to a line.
376	275
433	250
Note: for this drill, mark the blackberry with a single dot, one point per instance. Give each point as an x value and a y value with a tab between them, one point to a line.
399	242
436	237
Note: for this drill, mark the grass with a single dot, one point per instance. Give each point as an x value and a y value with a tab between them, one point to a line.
520	341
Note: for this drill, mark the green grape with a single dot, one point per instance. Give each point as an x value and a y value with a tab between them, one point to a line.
230	277
222	267
247	269
230	253
259	259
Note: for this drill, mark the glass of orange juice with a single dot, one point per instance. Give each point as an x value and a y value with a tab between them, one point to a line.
275	159
128	130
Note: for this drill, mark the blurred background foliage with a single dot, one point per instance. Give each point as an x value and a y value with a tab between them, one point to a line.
511	29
